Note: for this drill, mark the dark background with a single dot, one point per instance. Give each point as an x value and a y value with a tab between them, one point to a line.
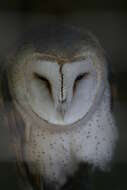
62	6
108	21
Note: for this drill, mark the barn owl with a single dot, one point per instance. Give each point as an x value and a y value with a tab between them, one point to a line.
57	99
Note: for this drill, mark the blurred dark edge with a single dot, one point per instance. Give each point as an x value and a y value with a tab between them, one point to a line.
62	6
115	179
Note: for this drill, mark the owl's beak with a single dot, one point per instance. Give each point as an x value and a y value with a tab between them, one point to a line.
63	101
62	107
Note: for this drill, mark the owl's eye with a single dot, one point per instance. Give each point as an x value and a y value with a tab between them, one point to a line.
81	76
43	79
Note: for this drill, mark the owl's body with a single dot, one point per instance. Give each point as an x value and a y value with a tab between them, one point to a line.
59	87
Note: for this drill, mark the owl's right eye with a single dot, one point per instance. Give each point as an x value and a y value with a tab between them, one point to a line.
38	76
43	79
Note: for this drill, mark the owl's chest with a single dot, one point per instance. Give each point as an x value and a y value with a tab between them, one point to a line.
53	155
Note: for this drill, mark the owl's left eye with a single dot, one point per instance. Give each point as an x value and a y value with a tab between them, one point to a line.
81	76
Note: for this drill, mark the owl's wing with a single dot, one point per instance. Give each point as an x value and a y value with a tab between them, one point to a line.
15	124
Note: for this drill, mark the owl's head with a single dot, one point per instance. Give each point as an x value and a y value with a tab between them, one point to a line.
59	75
